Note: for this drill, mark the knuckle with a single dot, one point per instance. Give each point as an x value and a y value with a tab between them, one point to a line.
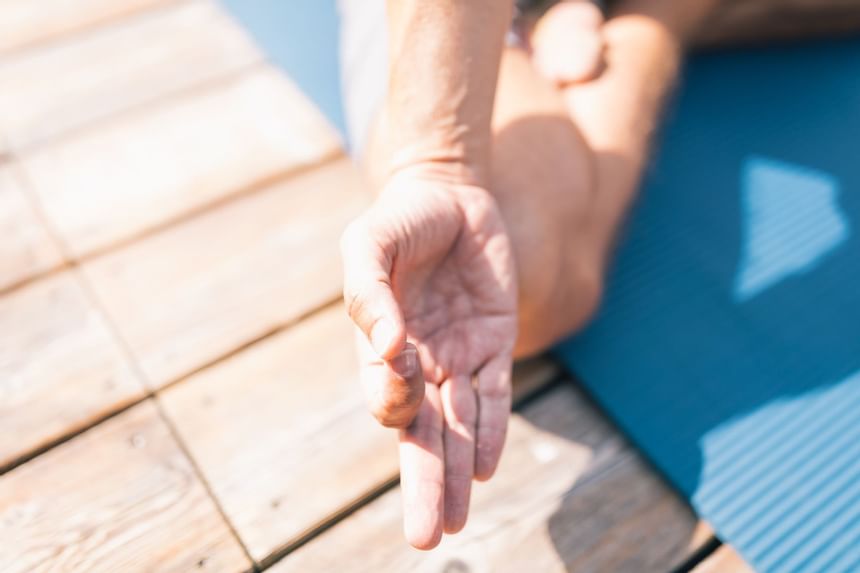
352	299
357	304
393	408
391	418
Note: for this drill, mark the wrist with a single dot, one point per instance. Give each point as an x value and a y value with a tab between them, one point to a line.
432	155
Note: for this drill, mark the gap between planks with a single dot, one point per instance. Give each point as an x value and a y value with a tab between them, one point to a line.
72	261
132	360
143	506
254	57
202	86
150	393
72	265
724	559
706	545
702	554
530	392
558	438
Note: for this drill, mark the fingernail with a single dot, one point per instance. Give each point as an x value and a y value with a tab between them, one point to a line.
406	363
381	336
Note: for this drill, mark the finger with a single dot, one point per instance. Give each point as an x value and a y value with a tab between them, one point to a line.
394	389
460	408
422	473
367	262
494	408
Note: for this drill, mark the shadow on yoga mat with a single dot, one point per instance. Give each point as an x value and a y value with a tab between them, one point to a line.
728	345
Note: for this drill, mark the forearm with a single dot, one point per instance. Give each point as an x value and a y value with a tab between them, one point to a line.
444	59
619	111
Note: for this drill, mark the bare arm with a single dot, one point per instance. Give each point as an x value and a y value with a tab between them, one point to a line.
429	277
444	60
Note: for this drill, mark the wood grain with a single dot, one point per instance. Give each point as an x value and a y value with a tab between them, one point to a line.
569	496
723	560
759	21
59	367
26	248
192	293
121	497
145	168
25	23
282	434
322	451
64	85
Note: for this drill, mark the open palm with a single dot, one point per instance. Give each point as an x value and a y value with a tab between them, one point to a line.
430	282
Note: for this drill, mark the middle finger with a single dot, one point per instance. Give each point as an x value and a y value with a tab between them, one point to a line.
460	407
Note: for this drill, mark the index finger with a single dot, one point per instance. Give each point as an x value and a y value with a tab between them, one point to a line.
367	291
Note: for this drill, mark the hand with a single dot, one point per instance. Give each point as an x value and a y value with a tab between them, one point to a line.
430	283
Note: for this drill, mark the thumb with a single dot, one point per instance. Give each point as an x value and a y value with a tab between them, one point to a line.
367	292
394	389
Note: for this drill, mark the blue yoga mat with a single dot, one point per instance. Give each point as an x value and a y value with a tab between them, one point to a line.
728	346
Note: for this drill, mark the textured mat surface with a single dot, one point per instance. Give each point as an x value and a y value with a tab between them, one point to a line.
728	347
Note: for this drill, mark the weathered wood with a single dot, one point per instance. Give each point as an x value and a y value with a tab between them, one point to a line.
121	497
25	23
321	449
59	367
281	432
151	166
186	296
569	496
758	21
26	248
65	85
723	560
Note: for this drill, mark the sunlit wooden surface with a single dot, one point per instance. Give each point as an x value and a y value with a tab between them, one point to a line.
177	385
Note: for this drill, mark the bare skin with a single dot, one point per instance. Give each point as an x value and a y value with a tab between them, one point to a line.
491	234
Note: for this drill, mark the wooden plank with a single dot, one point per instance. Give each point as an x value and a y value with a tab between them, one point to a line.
25	23
26	248
188	295
569	495
321	450
757	21
145	168
65	85
59	367
121	497
282	434
724	560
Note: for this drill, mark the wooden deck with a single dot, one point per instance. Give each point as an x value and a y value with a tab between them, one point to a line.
177	384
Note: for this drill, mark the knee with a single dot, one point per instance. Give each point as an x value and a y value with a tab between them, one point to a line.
570	303
545	183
